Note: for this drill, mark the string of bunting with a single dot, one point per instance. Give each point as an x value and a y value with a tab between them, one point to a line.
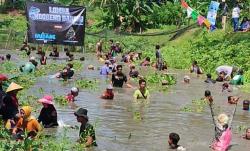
195	15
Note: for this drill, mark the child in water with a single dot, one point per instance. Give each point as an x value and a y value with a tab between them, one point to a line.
195	68
73	93
186	79
173	142
225	87
108	94
247	135
208	96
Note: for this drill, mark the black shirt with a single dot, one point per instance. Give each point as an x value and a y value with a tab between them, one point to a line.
118	79
224	9
9	110
48	116
208	80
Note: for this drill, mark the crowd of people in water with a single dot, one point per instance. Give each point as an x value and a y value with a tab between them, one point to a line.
19	119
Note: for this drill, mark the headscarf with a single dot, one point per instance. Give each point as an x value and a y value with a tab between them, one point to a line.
27	113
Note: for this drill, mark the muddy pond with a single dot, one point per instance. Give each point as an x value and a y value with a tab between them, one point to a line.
117	128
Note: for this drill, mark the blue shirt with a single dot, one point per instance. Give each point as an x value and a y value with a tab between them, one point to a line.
104	70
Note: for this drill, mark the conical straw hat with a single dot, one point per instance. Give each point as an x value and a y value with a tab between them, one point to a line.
13	86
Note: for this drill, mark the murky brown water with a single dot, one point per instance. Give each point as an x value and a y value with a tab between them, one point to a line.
118	130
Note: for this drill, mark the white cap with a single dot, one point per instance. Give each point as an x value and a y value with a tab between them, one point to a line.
109	87
74	89
186	77
32	58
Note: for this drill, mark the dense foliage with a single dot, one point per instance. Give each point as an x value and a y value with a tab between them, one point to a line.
136	15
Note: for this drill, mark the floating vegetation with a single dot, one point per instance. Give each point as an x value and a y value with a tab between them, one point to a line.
159	81
42	142
77	65
137	116
86	84
241	128
9	67
61	100
196	106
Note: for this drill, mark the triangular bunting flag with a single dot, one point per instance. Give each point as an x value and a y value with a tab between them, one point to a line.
189	12
207	23
194	15
200	20
184	4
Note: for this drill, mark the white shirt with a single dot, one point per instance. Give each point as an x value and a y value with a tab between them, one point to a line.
227	69
236	12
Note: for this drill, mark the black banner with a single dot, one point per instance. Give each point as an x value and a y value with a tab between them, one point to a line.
55	24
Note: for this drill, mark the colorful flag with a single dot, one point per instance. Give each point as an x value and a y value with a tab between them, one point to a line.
184	4
200	20
207	23
194	15
189	12
212	12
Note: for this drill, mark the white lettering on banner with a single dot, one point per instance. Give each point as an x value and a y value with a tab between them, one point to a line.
59	10
47	17
72	19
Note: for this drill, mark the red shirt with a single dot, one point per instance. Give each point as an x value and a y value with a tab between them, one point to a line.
108	95
70	97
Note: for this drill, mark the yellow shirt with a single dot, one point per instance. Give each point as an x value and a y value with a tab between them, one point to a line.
138	94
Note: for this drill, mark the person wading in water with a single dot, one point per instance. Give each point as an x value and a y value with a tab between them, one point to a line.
142	92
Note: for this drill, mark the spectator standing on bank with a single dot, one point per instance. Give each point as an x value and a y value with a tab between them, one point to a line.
224	12
236	16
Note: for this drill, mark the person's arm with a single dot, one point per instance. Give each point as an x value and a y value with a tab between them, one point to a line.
191	69
54	117
90	136
39	119
232	115
228	73
126	80
36	125
242	80
212	112
89	141
16	127
104	96
113	78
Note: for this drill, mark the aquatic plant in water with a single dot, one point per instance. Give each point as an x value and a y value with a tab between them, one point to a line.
86	84
196	106
61	100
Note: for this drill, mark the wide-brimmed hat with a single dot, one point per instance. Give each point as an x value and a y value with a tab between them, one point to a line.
47	99
3	77
82	112
223	119
13	86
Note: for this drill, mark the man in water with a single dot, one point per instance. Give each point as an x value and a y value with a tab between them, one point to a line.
228	70
87	132
142	92
119	78
105	68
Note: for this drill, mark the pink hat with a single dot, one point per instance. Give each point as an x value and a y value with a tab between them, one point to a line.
47	99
